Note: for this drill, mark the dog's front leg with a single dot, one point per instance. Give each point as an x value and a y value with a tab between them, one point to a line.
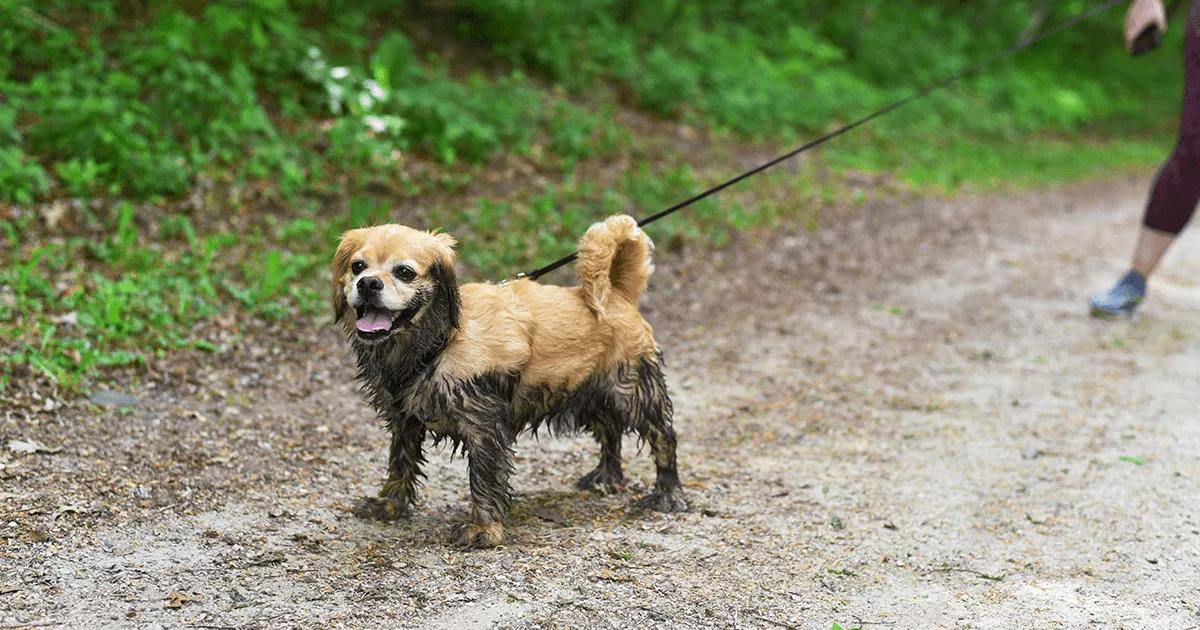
608	477
489	463
405	456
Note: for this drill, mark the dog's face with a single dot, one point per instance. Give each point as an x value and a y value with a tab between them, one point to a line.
391	277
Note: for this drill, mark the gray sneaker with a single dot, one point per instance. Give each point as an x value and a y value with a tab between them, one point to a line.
1123	299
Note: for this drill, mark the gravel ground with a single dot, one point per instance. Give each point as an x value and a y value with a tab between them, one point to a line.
903	420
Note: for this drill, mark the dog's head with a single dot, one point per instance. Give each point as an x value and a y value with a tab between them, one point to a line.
394	279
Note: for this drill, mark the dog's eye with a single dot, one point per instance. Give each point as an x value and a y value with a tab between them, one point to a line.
358	267
404	272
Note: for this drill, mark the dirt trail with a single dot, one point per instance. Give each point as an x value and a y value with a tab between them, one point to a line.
904	420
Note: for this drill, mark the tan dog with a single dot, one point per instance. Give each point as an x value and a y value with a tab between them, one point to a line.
480	363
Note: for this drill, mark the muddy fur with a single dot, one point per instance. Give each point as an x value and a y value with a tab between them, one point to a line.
421	391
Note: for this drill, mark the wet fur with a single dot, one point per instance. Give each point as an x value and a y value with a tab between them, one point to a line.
484	363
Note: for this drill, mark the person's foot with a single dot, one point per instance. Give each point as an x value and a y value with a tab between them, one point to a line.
1121	300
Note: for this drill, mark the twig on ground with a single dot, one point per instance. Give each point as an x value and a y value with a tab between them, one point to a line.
288	572
986	576
860	623
776	623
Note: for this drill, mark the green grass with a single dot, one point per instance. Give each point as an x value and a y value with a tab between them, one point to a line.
276	113
144	289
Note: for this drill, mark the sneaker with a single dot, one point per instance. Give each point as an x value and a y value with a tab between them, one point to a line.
1121	300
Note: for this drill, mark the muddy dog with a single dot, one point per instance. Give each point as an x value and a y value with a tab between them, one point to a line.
479	363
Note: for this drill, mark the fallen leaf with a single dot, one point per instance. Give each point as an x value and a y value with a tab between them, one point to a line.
177	599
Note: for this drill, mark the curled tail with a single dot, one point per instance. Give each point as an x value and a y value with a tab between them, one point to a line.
614	259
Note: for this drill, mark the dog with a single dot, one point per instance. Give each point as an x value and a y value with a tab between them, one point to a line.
480	363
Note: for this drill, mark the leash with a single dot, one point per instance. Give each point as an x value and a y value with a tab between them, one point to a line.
882	111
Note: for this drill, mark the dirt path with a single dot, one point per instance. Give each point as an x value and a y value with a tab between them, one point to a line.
904	420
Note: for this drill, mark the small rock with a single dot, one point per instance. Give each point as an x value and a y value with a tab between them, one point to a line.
29	447
1031	452
109	398
22	446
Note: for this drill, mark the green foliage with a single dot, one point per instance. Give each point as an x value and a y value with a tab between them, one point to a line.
247	89
21	179
295	94
64	318
270	108
771	68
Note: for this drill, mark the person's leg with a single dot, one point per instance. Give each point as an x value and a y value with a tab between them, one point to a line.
1177	187
1151	245
1175	194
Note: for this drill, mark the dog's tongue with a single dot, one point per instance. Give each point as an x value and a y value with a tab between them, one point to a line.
374	320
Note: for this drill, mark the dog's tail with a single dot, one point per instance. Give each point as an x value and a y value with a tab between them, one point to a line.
615	259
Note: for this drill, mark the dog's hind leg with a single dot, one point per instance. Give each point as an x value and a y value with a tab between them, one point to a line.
606	426
405	456
650	412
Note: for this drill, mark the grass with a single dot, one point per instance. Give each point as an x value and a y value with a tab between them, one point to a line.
936	167
73	306
160	180
145	289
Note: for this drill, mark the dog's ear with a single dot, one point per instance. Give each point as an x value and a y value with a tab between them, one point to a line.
350	243
446	243
446	282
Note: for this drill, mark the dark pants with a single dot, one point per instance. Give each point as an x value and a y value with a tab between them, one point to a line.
1177	189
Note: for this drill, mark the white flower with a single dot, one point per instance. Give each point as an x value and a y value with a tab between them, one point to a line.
335	97
340	72
376	91
364	100
376	123
382	124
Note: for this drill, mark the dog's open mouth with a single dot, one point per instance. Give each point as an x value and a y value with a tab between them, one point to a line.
376	323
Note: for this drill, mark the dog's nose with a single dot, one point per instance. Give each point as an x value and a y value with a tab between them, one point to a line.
370	285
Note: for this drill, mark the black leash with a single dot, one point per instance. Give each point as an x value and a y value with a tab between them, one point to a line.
887	109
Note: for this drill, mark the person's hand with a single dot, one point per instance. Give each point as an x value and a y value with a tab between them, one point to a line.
1143	14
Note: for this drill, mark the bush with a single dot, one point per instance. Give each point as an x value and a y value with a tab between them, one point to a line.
134	102
776	67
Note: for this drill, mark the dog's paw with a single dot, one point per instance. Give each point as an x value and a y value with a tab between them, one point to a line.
664	501
381	509
477	535
602	481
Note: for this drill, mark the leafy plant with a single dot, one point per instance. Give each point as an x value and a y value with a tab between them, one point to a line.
305	118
